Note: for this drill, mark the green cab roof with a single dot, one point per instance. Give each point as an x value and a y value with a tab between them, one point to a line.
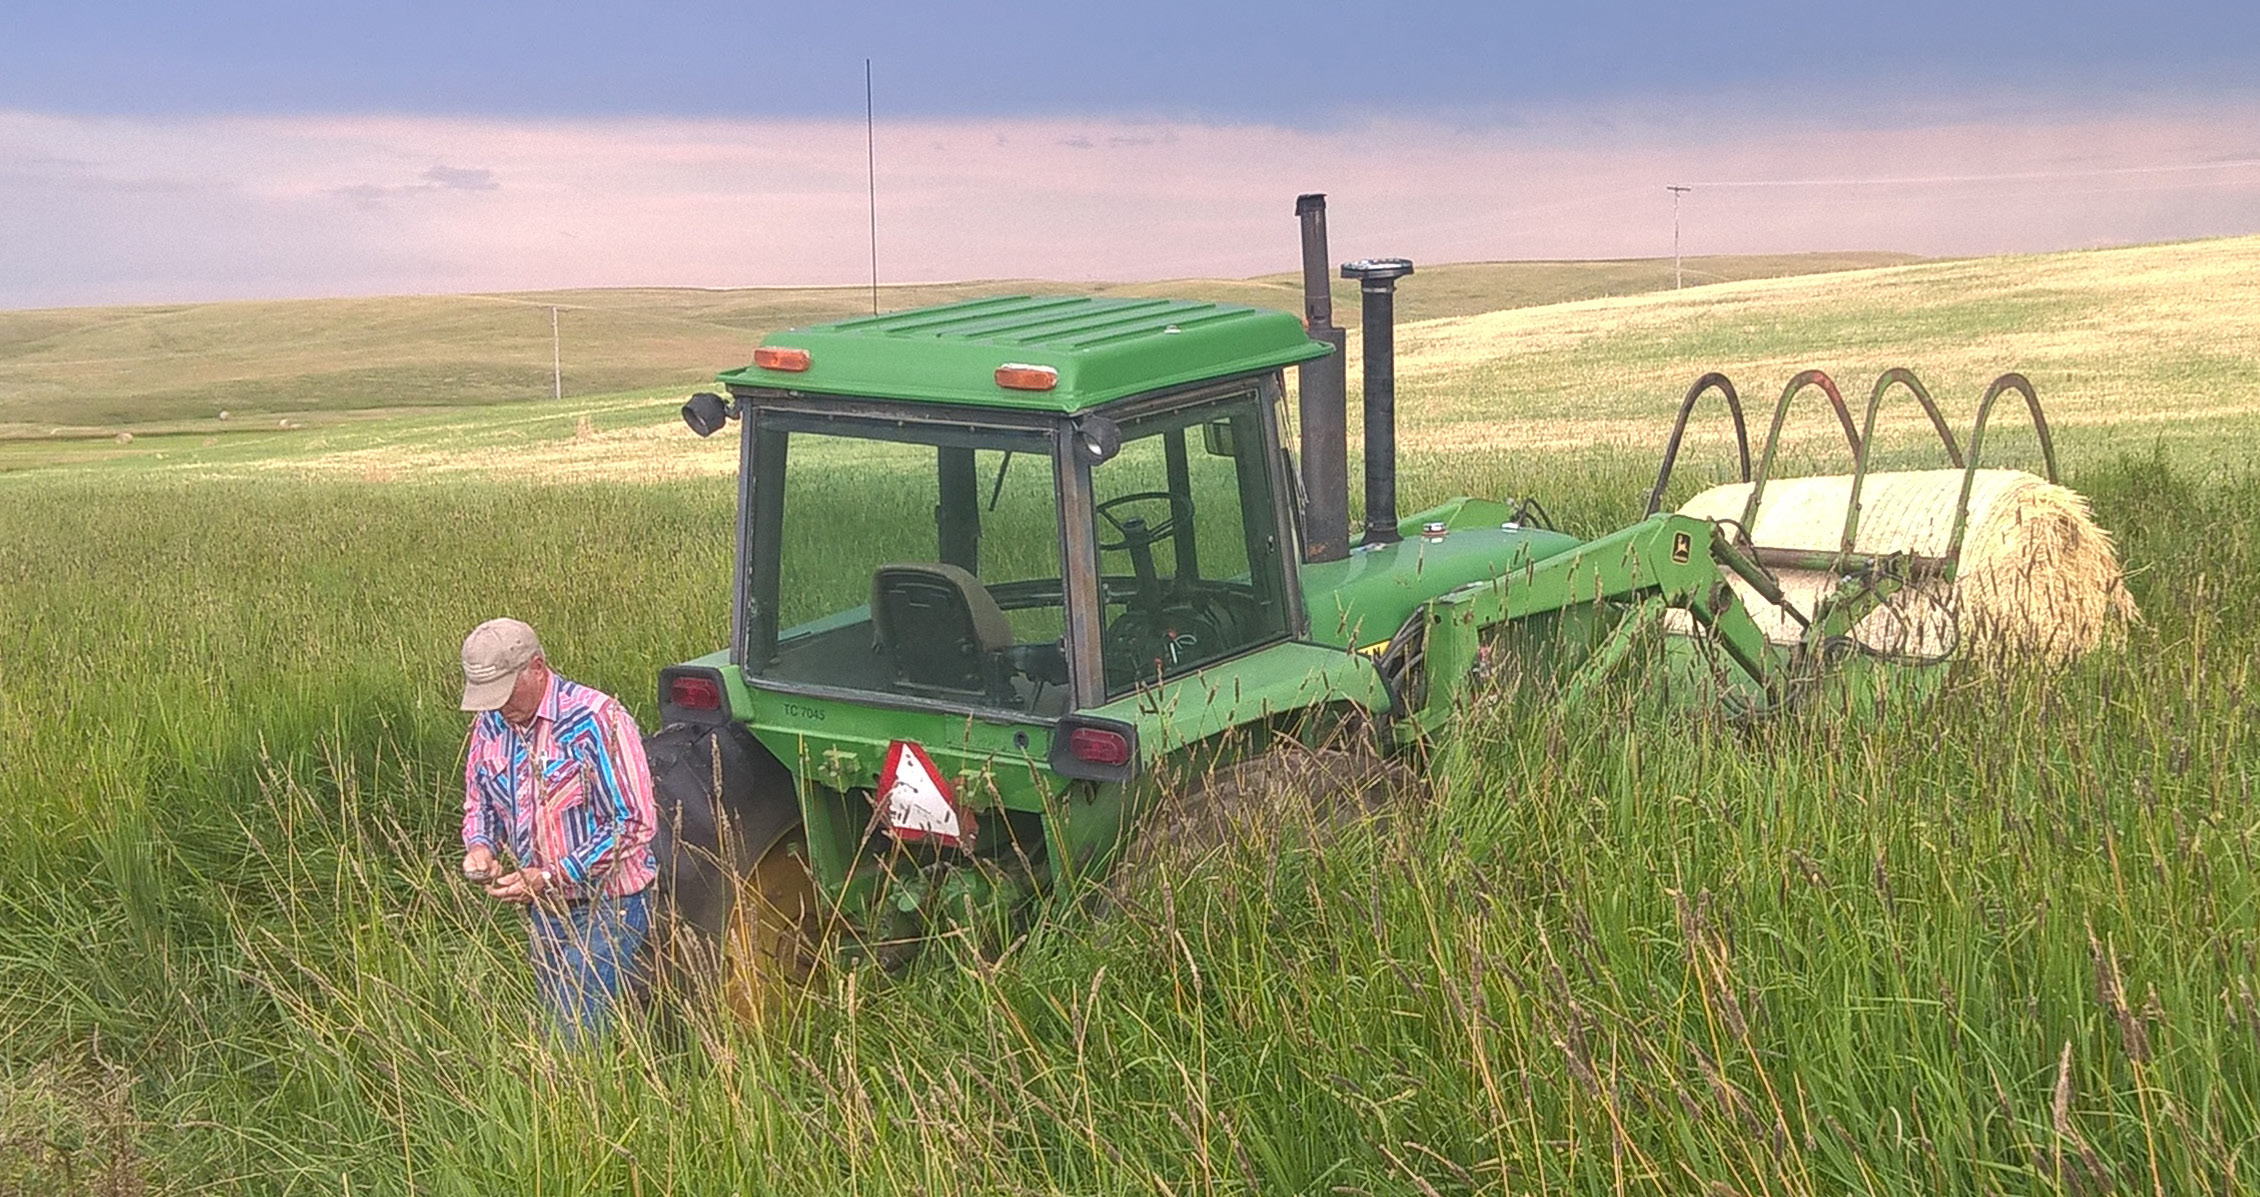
1103	349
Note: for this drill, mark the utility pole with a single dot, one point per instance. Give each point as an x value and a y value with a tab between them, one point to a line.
556	356
1676	191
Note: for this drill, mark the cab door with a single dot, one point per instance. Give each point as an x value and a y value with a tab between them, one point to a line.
1191	547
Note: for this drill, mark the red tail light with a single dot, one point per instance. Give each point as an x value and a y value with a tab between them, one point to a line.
1098	746
1088	748
693	693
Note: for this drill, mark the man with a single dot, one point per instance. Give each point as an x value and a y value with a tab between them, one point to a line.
556	777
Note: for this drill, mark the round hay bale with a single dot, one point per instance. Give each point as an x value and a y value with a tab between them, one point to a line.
2038	579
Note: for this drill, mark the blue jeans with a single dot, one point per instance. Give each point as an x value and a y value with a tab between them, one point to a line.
585	959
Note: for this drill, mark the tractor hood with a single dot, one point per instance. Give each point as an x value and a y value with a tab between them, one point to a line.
1360	601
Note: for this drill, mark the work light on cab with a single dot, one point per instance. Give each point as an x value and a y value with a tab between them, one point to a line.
1096	439
706	413
777	357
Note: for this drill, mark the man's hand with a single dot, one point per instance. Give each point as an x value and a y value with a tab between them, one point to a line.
478	864
523	887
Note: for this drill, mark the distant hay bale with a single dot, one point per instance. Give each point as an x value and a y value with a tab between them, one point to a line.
124	438
2038	579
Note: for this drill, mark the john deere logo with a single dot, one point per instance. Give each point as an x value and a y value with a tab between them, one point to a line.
1682	547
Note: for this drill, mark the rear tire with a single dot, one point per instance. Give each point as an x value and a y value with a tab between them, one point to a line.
769	947
737	906
1287	793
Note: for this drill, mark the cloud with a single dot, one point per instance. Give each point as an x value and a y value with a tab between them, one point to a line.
458	178
367	194
437	178
147	210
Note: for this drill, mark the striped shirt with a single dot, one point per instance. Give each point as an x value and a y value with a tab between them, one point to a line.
571	793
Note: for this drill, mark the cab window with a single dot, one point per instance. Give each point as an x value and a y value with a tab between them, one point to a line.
1191	567
923	564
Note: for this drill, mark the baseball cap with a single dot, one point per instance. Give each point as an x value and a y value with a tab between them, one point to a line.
493	654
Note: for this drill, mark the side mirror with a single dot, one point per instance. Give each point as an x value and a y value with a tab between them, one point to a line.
706	413
1096	439
1217	439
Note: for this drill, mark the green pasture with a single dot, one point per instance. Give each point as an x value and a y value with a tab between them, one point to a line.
2005	943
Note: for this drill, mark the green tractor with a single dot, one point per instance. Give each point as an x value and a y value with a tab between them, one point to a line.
1013	573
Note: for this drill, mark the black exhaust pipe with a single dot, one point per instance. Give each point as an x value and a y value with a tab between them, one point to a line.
1377	292
1323	405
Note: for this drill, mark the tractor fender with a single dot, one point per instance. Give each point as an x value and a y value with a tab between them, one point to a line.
722	800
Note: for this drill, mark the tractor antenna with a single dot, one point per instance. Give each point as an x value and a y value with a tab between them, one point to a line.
1676	190
871	181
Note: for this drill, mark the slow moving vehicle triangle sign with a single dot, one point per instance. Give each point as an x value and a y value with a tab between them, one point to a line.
916	803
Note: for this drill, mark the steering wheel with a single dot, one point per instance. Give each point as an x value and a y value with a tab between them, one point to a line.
1143	534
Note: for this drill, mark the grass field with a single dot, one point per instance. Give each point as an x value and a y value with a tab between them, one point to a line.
2002	944
2151	345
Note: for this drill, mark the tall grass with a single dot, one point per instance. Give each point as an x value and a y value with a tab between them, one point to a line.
2003	943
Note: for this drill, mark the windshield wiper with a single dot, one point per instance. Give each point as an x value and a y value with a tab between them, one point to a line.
996	492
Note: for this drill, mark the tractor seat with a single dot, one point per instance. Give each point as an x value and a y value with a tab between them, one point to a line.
942	631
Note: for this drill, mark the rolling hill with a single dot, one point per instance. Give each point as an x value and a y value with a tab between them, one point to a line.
93	371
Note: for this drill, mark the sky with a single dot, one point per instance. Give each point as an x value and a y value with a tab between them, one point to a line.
236	150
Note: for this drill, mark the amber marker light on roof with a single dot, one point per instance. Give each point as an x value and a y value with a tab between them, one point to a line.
771	357
1019	376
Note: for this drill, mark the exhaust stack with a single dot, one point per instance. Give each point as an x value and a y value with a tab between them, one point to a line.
1323	405
1377	292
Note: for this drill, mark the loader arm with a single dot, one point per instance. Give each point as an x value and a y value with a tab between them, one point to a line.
1612	591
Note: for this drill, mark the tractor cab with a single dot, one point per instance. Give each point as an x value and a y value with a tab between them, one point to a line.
990	508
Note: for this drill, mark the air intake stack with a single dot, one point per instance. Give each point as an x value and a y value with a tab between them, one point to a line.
1377	288
1323	406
